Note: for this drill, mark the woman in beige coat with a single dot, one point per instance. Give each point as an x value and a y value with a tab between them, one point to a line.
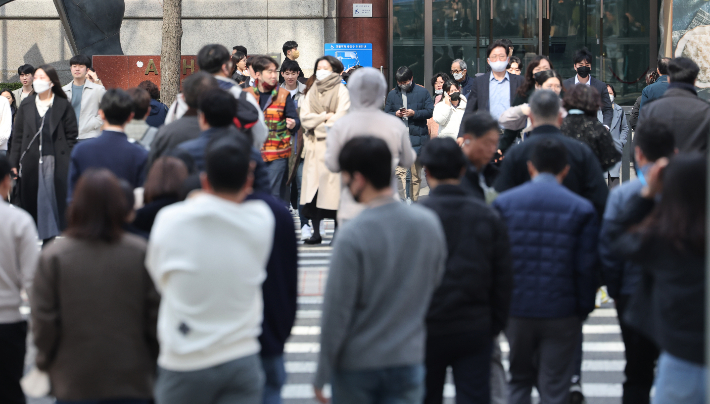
326	101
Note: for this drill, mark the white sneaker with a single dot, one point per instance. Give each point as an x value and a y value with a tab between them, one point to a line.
306	232
322	228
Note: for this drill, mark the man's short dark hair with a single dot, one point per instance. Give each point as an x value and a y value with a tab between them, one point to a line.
289	45
227	163
80	60
683	70
25	69
251	59
404	74
497	44
549	156
262	63
370	157
479	124
212	57
242	49
141	102
655	138
218	107
663	65
194	85
443	158
515	59
290	66
508	44
117	106
5	169
581	55
545	104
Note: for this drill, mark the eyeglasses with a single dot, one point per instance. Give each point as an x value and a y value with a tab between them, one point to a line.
498	57
456	71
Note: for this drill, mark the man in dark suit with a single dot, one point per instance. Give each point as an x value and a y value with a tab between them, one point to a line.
583	66
585	176
493	91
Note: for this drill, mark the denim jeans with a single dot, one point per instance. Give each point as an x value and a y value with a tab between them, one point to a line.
275	372
395	385
278	177
679	381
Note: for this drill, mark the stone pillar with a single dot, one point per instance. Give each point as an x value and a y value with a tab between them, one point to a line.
373	30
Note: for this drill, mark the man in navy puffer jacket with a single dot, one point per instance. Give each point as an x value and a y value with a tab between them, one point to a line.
553	236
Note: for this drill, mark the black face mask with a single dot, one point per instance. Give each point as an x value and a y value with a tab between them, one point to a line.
584	71
455	96
536	76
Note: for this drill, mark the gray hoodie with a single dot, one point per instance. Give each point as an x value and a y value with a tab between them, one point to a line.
368	89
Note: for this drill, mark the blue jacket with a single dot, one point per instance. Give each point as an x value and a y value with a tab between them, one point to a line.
110	150
620	276
158	112
553	237
197	147
418	100
280	289
654	91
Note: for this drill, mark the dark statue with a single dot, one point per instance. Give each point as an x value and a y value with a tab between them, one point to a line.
93	27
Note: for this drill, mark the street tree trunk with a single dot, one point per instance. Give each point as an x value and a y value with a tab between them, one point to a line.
171	51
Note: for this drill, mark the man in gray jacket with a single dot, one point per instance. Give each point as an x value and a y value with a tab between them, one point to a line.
385	266
85	97
367	90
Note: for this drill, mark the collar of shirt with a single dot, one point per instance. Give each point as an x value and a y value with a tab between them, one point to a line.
545	177
507	77
576	80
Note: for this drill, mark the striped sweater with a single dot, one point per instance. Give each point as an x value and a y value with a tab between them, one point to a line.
278	141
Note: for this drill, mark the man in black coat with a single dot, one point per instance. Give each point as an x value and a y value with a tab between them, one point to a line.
493	91
583	66
413	104
683	110
585	177
480	142
471	304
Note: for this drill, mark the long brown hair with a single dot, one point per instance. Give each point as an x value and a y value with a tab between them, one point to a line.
98	207
165	179
679	219
54	78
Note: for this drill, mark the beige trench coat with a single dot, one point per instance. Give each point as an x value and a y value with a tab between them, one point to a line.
316	176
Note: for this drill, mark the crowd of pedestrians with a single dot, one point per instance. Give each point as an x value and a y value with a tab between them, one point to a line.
168	267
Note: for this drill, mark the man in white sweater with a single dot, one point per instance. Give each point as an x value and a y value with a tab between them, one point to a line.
19	254
208	258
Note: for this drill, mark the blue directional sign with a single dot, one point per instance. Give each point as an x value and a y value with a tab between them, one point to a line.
351	54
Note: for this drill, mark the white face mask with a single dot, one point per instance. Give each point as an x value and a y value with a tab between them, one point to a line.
41	86
499	66
611	97
458	76
441	91
322	74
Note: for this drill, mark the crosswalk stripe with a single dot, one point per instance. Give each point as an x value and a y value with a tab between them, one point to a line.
587	329
308	313
591	390
591	365
313	347
603	313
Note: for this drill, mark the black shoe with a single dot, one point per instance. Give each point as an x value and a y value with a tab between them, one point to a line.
314	240
576	397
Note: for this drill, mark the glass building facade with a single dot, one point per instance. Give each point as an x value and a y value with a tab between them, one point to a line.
427	35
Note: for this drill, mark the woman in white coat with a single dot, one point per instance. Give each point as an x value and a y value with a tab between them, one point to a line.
449	113
325	102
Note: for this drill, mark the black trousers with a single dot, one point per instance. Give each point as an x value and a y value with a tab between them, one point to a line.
12	361
641	356
469	356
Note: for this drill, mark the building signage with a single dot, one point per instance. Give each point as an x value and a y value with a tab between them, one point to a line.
351	54
362	10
